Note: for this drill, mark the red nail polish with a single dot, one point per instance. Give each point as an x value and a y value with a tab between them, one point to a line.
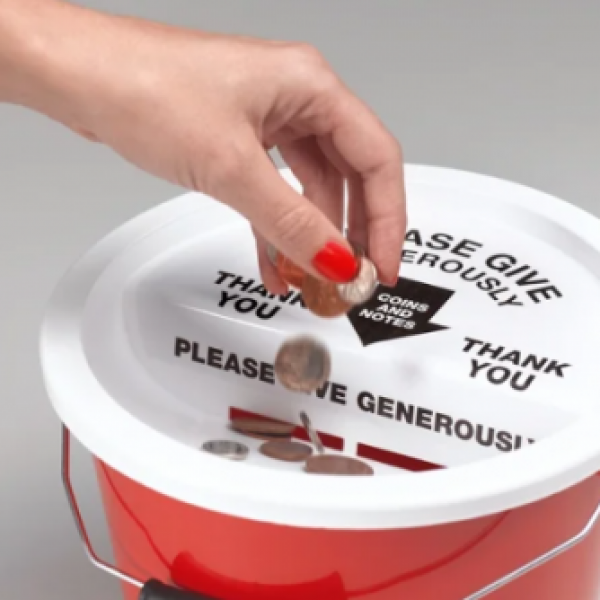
336	263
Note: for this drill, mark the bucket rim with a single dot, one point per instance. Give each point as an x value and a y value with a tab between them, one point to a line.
461	492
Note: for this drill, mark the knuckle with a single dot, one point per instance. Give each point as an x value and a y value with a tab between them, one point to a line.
293	225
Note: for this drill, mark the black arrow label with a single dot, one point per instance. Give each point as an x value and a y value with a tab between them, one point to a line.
402	311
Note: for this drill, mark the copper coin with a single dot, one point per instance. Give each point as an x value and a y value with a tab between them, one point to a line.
286	450
291	273
322	298
260	429
331	464
362	287
302	364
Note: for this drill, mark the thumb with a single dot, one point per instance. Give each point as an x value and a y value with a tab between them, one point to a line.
290	221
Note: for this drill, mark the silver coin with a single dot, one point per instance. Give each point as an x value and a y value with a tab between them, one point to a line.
226	449
272	254
312	434
362	287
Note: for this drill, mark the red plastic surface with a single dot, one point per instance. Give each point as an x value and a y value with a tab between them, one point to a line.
238	559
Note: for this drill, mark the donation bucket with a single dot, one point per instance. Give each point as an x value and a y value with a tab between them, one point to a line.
470	390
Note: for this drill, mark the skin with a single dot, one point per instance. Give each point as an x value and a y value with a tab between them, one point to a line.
201	110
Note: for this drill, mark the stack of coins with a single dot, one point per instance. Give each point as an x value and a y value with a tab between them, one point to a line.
289	271
262	429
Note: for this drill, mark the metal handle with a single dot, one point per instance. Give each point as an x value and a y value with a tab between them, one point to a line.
150	590
540	560
156	590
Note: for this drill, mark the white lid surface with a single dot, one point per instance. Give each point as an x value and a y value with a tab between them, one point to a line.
486	343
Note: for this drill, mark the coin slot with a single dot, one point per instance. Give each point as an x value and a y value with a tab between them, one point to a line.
333	442
393	459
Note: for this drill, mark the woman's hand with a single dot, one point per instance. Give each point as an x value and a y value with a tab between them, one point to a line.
201	110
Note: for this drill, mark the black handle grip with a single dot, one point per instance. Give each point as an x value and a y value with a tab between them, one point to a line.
157	590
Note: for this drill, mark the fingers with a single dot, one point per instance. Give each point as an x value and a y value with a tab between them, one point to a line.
372	153
293	224
270	276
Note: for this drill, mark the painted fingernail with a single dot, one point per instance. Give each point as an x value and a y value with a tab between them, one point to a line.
336	263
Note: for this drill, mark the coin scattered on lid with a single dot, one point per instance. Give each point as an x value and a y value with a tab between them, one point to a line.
226	449
302	364
331	464
262	429
362	287
286	450
312	434
291	273
322	298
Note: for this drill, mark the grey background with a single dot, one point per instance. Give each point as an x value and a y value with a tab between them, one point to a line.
507	88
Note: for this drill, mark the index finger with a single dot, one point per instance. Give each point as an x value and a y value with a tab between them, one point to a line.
370	151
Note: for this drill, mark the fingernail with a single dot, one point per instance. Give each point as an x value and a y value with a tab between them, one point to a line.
336	263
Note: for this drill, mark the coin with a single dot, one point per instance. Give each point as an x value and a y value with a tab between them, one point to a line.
302	364
358	249
331	464
322	298
226	449
262	429
362	287
289	271
272	254
312	434
286	450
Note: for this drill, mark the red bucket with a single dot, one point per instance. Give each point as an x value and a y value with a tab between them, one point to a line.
469	388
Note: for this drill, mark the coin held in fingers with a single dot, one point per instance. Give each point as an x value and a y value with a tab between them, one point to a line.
362	287
290	272
286	450
331	464
322	298
302	364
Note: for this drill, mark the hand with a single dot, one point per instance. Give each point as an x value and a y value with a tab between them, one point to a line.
201	110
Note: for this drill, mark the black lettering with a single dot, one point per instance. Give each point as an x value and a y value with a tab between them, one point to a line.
250	368
489	439
516	271
494	295
225	298
259	289
260	313
488	284
266	374
414	236
443	422
440	241
321	391
466	275
456	266
214	357
556	367
297	299
504	441
537	364
196	354
366	402
518	442
182	346
408	256
530	279
232	364
463	429
470	343
385	407
430	259
223	275
476	367
242	283
501	262
245	305
518	385
494	352
338	393
405	412
467	245
424	417
514	357
498	375
546	292
512	301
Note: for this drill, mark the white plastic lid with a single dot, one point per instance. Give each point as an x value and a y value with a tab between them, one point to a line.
481	359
